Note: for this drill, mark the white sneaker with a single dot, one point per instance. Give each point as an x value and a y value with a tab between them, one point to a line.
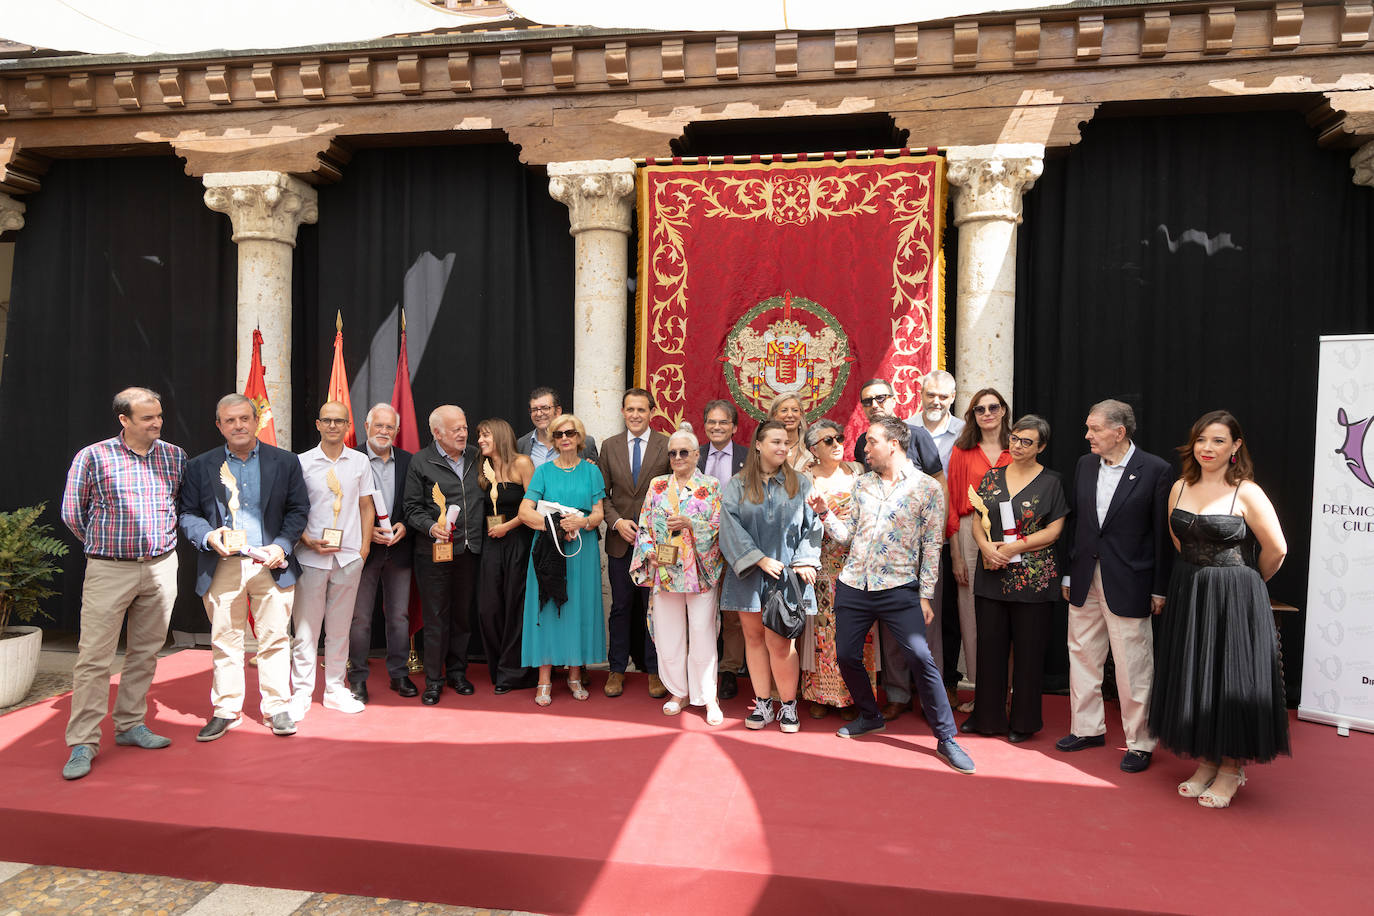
298	706
343	702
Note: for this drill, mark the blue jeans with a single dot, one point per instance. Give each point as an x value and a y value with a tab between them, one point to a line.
899	609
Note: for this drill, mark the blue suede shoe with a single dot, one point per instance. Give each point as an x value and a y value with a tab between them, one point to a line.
79	763
141	736
951	753
860	727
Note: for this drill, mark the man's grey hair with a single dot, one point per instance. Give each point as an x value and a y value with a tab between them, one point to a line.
124	401
436	415
382	405
937	378
1116	413
234	400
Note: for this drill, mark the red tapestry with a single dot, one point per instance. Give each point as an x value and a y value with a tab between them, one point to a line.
802	278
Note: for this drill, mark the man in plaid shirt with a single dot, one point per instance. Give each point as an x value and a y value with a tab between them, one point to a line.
121	503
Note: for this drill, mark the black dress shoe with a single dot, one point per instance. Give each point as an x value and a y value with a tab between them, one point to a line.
359	691
461	686
1078	743
1016	737
500	689
215	728
431	694
1136	761
729	686
405	687
968	728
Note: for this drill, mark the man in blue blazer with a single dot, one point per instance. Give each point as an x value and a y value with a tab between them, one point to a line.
253	492
388	565
1119	563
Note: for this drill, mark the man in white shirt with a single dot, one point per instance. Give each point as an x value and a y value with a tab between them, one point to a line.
937	397
332	553
722	459
1119	563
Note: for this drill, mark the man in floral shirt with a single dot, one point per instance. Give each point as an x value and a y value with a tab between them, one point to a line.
894	530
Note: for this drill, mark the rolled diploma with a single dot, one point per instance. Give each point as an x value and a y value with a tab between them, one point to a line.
1008	529
383	520
452	515
256	553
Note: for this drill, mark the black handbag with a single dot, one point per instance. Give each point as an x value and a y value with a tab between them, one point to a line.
783	612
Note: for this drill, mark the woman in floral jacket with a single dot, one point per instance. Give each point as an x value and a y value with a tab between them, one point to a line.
676	554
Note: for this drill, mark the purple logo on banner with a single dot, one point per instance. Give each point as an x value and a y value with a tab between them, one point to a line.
1353	448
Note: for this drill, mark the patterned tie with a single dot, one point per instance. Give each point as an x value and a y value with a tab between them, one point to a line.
634	463
717	456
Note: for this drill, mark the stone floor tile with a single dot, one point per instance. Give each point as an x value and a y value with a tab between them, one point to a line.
243	900
44	889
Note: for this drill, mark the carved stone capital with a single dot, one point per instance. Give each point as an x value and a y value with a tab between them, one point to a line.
989	180
598	193
11	214
1363	164
262	205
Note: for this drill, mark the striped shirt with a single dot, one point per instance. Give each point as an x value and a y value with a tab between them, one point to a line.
123	505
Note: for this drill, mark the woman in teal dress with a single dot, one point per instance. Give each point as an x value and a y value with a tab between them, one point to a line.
573	633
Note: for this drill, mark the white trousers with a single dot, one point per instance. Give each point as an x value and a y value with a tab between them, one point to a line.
237	581
685	635
1093	628
323	596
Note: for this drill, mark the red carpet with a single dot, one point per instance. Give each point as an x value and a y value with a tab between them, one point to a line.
609	807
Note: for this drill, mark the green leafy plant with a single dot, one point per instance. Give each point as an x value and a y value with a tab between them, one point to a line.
27	551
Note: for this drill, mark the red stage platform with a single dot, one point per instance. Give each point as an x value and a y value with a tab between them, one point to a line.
609	807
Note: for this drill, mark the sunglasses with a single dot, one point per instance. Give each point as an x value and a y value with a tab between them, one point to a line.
875	399
676	453
831	440
564	434
1023	441
988	409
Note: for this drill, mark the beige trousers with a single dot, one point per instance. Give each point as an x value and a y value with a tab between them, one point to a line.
685	636
1093	628
732	640
113	590
968	626
237	581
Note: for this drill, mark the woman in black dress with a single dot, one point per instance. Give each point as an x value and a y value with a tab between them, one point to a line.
1218	692
1015	583
506	553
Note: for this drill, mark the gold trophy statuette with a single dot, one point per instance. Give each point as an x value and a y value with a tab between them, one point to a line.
495	518
669	554
977	503
235	539
333	537
442	551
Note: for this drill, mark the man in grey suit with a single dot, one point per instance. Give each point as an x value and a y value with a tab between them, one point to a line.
722	459
545	404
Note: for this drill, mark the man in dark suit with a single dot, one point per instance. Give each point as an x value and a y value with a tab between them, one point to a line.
1119	561
628	462
722	459
448	588
251	491
544	406
388	565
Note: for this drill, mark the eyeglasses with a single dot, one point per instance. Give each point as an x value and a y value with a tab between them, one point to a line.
676	453
875	399
1023	441
831	440
564	434
378	427
333	421
993	409
534	410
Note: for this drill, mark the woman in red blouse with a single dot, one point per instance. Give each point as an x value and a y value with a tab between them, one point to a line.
981	447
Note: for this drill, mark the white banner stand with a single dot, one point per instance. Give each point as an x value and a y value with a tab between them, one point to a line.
1338	652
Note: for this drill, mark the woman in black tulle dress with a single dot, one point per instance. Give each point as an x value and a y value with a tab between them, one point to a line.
1218	686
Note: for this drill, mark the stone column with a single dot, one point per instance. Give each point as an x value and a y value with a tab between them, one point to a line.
265	209
11	219
988	181
1362	162
598	194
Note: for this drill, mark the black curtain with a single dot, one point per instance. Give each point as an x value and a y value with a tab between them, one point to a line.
504	322
1189	263
122	276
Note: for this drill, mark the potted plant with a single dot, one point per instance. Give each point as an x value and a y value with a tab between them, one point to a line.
27	552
